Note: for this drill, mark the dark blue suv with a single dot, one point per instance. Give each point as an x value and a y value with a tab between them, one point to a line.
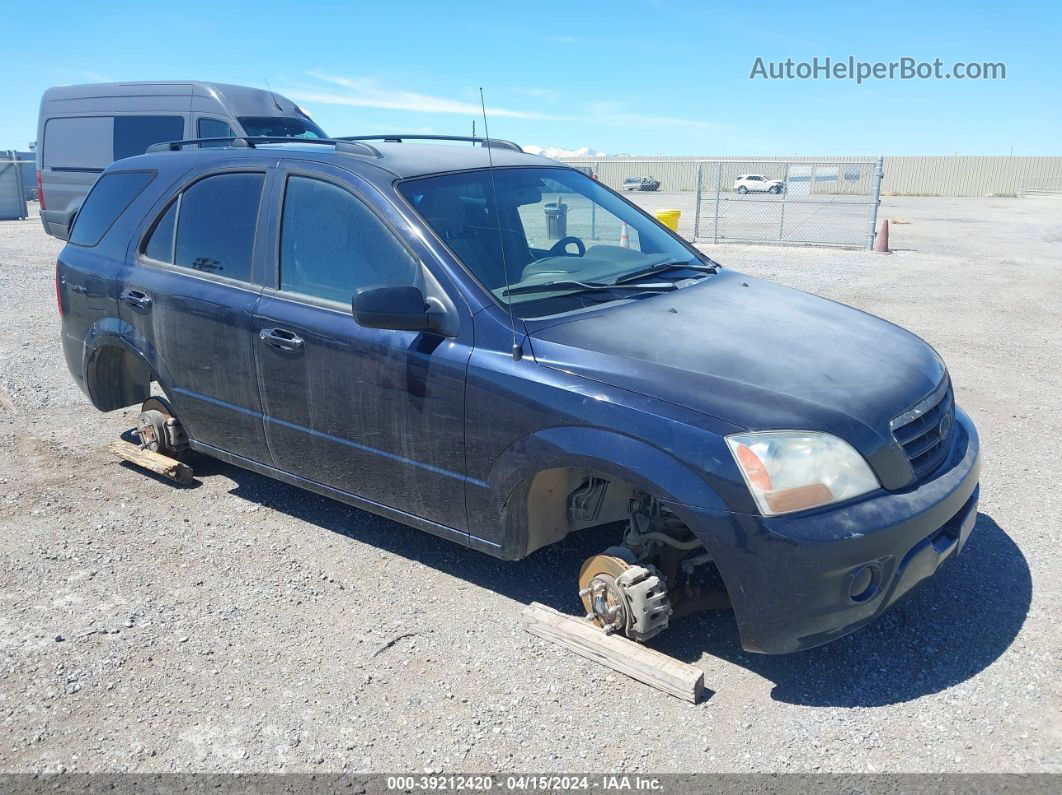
497	349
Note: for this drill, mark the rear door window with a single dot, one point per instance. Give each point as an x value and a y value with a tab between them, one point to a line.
107	200
216	223
134	134
332	245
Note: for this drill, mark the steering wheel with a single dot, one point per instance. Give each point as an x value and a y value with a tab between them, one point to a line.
559	249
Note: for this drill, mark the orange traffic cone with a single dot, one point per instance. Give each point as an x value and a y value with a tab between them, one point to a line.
625	237
881	242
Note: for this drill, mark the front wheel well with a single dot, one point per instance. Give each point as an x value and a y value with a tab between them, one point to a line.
548	506
116	378
658	567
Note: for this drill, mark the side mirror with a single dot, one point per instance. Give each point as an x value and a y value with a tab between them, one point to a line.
396	307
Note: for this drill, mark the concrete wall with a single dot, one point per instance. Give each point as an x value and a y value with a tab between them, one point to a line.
969	176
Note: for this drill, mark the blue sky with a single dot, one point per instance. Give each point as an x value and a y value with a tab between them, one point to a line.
641	77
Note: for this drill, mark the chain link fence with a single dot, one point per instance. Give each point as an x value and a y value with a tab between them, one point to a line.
1041	186
798	202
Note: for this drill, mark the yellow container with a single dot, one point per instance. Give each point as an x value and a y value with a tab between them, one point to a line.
669	218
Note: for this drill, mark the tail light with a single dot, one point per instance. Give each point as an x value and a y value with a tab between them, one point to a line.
40	189
58	290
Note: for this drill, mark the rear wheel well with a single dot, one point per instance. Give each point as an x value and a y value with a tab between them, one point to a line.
117	378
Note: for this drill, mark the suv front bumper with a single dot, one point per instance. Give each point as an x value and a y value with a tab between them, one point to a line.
798	581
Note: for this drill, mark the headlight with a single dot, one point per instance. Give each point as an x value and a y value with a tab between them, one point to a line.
795	470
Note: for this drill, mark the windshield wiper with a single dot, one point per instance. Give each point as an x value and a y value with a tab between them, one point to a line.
573	286
663	267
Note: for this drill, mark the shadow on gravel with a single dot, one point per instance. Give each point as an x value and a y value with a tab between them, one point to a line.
950	629
546	576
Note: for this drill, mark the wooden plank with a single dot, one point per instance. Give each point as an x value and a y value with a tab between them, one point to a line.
155	462
623	655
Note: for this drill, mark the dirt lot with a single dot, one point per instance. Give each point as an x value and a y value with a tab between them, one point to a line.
245	625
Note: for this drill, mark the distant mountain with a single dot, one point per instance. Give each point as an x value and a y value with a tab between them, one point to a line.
557	152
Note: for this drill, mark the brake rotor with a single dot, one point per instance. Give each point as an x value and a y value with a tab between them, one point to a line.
601	596
157	404
623	595
151	426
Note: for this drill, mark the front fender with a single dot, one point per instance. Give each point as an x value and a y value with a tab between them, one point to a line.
497	508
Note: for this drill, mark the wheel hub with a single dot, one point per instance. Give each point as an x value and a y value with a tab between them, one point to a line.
602	597
158	429
151	427
622	595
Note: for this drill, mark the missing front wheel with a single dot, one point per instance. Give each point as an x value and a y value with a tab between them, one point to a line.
661	570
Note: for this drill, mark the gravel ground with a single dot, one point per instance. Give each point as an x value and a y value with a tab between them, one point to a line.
246	625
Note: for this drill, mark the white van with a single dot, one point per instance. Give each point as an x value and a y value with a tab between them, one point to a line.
82	129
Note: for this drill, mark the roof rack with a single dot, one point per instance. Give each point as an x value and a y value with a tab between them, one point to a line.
497	143
347	145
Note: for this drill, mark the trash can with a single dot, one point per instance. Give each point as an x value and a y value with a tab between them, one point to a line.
556	220
669	218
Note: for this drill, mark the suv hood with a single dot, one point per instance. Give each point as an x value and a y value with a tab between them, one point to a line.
754	354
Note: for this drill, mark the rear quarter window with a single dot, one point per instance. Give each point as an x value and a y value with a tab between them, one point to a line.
159	245
107	200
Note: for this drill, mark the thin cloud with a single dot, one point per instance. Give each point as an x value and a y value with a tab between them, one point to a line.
368	92
364	92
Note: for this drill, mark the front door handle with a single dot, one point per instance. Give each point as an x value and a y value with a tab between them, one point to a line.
136	299
281	339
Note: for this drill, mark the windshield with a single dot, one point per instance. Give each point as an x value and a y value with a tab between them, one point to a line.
280	127
557	227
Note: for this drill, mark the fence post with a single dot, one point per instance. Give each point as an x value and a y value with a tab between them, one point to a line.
718	190
785	196
697	205
593	205
872	227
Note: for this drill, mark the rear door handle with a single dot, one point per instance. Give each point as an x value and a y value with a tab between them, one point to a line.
281	339
136	299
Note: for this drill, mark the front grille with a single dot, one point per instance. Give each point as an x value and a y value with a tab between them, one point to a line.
923	431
